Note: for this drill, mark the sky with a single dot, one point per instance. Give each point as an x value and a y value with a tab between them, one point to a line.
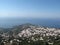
30	9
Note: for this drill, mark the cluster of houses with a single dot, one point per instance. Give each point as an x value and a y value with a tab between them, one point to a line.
24	41
40	31
32	34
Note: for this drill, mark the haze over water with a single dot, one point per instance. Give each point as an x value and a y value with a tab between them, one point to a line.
6	23
40	12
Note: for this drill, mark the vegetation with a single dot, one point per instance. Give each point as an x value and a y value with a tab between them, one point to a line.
36	39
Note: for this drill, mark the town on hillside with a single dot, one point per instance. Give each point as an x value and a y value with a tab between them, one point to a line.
29	34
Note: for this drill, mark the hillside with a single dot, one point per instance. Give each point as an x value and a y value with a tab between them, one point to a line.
29	34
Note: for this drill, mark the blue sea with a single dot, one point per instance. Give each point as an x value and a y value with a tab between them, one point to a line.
10	22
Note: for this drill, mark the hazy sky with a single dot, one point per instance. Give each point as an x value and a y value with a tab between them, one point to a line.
30	8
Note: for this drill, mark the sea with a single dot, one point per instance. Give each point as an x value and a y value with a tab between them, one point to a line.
10	22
